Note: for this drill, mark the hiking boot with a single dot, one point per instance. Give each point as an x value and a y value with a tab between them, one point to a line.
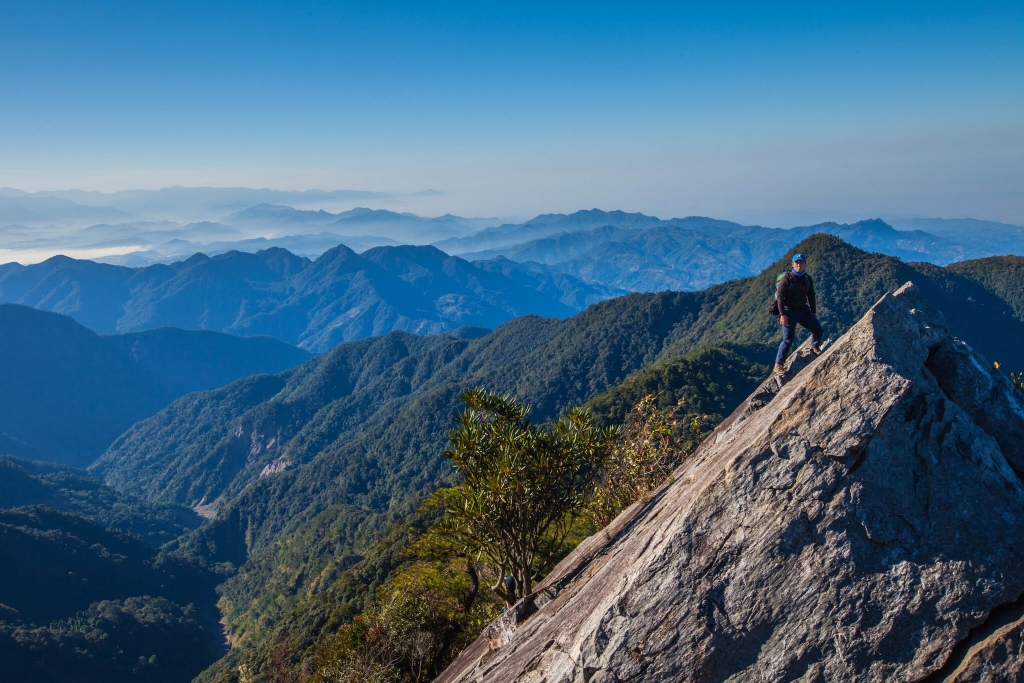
816	351
780	369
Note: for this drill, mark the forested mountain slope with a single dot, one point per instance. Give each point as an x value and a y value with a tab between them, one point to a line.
1001	275
27	482
66	392
307	468
85	594
314	304
82	602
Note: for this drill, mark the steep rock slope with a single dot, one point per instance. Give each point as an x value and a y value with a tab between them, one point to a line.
855	523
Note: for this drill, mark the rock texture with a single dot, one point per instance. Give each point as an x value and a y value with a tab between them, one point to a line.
863	519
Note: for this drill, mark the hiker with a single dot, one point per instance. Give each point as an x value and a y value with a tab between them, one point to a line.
797	305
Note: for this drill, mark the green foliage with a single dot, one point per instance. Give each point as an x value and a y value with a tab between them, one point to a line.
23	482
522	487
707	383
1018	380
1000	275
139	639
285	651
646	451
294	567
77	598
421	619
428	611
53	564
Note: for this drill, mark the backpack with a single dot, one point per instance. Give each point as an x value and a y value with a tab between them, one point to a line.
774	308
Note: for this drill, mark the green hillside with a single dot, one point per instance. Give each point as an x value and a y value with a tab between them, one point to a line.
82	602
307	469
85	595
66	392
24	482
1001	275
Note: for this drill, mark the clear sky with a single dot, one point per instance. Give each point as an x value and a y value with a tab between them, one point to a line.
752	111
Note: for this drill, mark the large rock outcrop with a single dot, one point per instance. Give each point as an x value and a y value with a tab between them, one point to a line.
862	520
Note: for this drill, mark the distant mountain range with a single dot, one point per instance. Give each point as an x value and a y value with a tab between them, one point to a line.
261	226
574	234
543	226
342	295
693	253
406	228
314	304
139	228
169	203
20	208
66	392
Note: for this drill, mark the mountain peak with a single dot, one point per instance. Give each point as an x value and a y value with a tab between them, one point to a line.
856	520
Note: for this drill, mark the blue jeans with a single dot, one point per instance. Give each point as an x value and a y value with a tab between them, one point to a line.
804	317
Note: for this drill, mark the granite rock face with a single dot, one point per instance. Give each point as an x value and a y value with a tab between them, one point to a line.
861	519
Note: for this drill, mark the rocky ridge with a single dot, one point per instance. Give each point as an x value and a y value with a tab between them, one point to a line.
861	519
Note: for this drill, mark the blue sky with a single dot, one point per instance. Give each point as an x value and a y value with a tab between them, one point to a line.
751	111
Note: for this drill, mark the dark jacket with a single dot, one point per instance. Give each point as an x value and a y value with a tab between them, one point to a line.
796	292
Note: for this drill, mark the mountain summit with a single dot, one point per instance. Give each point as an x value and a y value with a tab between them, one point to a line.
862	521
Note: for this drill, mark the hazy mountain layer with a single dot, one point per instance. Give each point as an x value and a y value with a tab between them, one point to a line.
694	253
66	393
543	226
405	227
162	226
170	203
990	236
340	296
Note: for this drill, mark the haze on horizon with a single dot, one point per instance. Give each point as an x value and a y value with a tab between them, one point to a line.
777	116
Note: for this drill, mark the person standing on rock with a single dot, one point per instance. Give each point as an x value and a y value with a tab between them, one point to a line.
797	305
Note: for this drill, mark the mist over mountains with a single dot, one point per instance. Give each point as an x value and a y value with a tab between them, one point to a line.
142	227
170	203
553	265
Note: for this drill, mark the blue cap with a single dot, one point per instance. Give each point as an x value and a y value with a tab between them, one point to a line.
799	257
